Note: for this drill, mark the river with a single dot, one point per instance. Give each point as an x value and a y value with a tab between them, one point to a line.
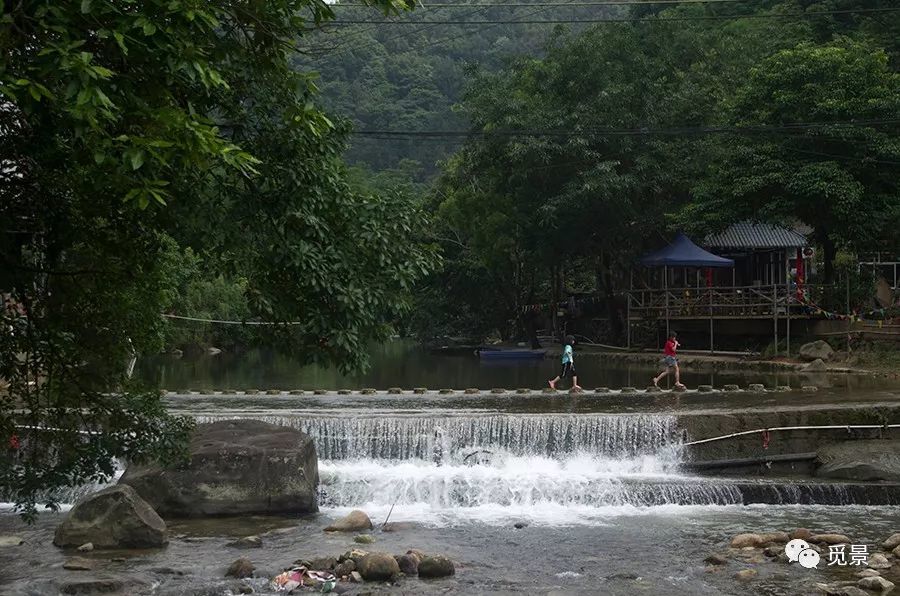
594	479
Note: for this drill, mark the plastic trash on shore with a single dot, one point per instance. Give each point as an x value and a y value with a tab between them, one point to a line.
299	576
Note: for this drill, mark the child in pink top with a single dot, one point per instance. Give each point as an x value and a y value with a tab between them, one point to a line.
670	360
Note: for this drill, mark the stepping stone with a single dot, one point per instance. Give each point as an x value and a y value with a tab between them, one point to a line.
445	391
273	392
368	391
782	388
704	388
228	392
395	390
677	389
498	390
628	390
601	390
344	392
758	387
420	390
810	389
472	391
251	391
731	387
522	390
205	392
320	392
549	390
653	389
296	392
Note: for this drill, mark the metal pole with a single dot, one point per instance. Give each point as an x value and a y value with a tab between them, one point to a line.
775	313
666	290
787	302
711	346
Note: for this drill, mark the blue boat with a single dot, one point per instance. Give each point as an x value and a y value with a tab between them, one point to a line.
501	354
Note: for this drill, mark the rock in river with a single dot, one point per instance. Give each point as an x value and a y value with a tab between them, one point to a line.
115	517
354	521
235	467
743	540
378	567
409	564
436	566
875	583
240	569
860	460
816	350
892	542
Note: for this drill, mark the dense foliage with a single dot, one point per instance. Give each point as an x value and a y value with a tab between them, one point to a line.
144	142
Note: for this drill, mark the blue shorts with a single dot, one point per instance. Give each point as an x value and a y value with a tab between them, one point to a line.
670	361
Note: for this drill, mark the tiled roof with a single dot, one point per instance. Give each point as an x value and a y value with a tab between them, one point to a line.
747	234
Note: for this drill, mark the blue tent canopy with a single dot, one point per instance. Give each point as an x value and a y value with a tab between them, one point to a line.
684	253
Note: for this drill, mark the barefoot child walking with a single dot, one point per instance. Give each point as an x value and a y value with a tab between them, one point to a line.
568	365
670	361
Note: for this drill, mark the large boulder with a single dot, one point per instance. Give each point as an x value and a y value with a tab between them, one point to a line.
860	460
115	517
816	350
235	467
355	521
436	566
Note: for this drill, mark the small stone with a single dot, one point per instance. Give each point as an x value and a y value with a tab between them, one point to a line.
875	583
745	575
892	542
868	573
601	390
86	547
810	389
206	392
354	521
773	551
704	388
745	540
364	539
354	554
419	555
436	566
498	390
378	567
523	390
228	391
240	569
756	387
78	564
409	565
344	569
519	525
296	392
829	539
395	390
251	391
628	390
420	390
324	564
879	561
472	391
355	577
800	534
782	388
344	392
320	392
445	391
653	389
731	387
368	391
777	537
716	559
246	542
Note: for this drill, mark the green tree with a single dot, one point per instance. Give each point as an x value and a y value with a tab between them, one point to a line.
833	165
123	126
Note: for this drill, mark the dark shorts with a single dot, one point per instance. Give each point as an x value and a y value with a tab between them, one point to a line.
670	361
567	370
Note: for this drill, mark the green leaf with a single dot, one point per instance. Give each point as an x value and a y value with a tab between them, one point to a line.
85	6
137	160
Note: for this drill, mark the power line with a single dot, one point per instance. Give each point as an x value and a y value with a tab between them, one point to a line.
445	134
795	15
427	7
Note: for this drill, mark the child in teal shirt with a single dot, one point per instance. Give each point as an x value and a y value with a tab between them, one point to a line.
568	365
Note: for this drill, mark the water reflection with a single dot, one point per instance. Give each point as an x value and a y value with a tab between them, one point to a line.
405	364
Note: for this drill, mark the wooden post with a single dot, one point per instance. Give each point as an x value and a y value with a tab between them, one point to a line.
775	313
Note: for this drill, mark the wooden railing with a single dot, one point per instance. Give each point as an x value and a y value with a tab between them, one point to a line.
722	302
